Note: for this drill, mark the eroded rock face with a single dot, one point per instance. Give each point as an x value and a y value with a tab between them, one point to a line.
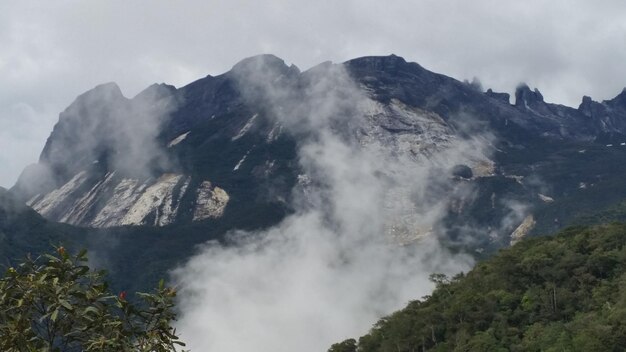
523	229
54	203
117	201
211	202
158	203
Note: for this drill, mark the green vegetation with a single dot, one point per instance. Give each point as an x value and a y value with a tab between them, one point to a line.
56	303
561	293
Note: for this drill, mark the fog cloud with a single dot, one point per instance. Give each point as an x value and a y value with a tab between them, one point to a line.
104	129
338	264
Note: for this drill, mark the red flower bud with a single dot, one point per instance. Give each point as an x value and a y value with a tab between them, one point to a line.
122	295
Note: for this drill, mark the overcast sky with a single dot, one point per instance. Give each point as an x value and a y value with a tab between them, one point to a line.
51	51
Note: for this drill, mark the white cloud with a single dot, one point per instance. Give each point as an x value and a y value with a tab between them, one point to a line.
333	268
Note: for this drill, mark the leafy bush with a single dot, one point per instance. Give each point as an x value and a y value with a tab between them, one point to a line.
56	303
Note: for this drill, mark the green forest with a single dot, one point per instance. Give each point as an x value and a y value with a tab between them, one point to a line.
560	293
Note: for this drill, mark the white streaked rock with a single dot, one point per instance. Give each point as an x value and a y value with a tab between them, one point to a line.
51	201
154	199
275	132
81	208
115	201
178	139
125	194
241	161
523	229
545	199
245	128
166	214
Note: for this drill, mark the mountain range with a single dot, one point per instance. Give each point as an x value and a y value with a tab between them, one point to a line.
144	180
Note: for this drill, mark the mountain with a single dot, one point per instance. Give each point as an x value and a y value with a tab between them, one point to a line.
375	149
560	293
226	146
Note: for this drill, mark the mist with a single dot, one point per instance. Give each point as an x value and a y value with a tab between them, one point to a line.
103	129
102	122
361	242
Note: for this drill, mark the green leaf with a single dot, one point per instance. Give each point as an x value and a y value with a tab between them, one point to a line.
82	254
90	309
54	315
66	304
52	258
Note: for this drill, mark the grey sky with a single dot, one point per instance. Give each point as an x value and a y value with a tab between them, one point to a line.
51	51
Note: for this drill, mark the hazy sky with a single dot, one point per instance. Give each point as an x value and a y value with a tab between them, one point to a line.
51	51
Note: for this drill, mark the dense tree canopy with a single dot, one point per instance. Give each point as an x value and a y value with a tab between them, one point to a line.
56	303
561	293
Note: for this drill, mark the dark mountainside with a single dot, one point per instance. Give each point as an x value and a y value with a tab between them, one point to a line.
142	181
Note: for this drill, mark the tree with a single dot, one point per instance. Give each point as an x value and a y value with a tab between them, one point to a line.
56	303
348	345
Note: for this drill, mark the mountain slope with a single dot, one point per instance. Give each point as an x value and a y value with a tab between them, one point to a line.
561	293
24	231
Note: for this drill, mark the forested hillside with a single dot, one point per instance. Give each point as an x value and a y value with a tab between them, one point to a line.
560	293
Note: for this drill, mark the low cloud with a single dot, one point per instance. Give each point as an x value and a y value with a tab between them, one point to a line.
104	128
360	244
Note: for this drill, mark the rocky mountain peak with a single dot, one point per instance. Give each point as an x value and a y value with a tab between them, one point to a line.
102	94
265	63
105	89
378	63
156	91
586	100
587	106
526	97
503	97
620	99
95	101
89	118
